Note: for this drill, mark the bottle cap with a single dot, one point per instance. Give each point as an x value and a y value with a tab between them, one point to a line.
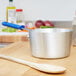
10	0
19	10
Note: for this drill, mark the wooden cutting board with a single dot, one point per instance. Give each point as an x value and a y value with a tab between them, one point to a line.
7	37
22	50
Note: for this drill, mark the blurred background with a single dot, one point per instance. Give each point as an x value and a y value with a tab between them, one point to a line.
42	9
62	13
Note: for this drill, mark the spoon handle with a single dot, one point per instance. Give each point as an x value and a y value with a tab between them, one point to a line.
18	60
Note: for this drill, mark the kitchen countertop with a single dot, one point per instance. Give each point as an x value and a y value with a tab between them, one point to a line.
22	50
4	44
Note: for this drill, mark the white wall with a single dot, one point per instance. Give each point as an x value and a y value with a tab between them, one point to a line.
43	9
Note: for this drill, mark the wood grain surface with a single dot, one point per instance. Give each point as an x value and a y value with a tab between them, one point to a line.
22	50
12	38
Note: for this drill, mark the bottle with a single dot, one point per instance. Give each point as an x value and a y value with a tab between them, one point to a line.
20	17
74	30
10	12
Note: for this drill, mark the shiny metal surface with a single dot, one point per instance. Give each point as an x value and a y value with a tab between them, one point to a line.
50	43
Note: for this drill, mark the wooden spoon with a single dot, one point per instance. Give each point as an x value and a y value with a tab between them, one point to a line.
41	67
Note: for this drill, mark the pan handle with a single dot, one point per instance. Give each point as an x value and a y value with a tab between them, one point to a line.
21	27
